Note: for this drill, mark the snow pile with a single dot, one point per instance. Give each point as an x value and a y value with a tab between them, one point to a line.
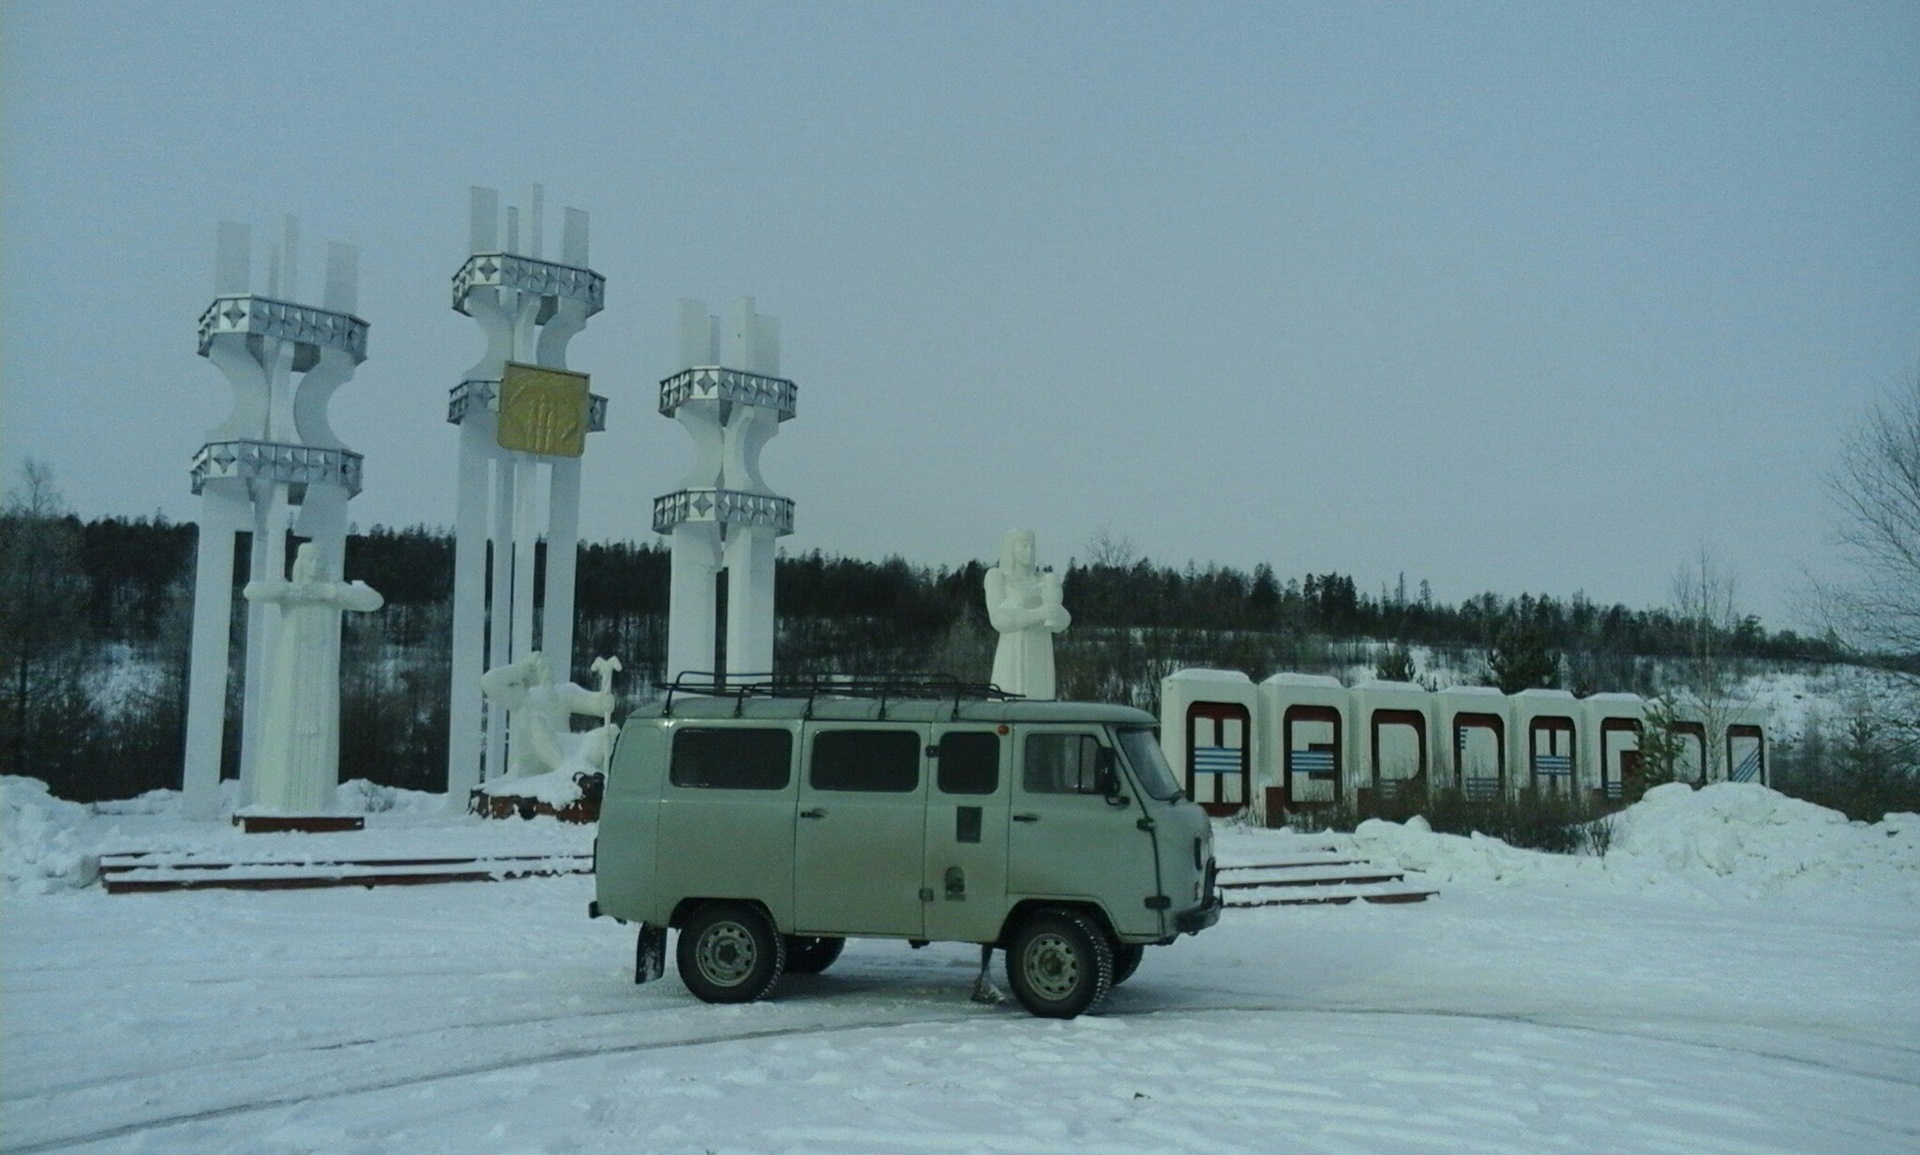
162	801
1745	830
1740	832
1445	857
43	846
360	796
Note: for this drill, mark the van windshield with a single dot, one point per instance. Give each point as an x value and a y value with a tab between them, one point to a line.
1149	764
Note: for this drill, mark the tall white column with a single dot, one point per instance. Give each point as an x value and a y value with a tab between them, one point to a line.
223	513
563	557
529	308
263	627
499	613
283	361
694	562
464	736
729	397
526	487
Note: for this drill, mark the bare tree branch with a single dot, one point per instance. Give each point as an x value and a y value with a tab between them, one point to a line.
1876	489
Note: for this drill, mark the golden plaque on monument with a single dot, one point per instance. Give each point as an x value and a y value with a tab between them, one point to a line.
543	410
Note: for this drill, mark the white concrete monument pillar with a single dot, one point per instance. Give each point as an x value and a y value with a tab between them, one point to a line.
274	467
730	398
523	418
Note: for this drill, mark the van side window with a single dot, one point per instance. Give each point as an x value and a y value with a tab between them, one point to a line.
969	762
1062	764
732	759
881	761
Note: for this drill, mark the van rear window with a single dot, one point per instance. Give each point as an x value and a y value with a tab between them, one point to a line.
880	761
732	759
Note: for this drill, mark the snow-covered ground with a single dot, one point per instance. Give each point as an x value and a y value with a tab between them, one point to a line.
1741	973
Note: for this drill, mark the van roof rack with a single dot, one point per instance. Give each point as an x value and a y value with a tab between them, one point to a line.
877	687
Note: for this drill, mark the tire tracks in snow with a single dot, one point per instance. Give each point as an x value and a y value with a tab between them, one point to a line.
1562	1025
456	1071
375	1079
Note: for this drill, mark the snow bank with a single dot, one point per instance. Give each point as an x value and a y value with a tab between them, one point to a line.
1745	830
50	846
1735	831
359	796
1445	857
43	842
161	801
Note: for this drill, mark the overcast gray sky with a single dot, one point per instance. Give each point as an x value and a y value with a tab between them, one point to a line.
1505	296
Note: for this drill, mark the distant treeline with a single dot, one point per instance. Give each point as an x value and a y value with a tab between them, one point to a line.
132	566
101	613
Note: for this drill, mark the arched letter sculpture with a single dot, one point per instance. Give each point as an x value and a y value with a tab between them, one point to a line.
299	766
1023	603
540	709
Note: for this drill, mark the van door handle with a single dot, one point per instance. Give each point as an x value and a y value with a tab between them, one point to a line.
815	813
1026	818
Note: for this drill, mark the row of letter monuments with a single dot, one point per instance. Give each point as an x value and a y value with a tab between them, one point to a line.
1296	742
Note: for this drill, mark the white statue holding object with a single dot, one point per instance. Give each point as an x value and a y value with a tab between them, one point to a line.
540	713
1023	603
299	767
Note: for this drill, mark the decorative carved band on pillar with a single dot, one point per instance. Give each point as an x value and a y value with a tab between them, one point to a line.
722	507
246	460
532	276
283	321
714	383
477	395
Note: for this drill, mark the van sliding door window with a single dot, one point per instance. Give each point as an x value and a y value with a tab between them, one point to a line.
1062	764
732	759
969	762
877	761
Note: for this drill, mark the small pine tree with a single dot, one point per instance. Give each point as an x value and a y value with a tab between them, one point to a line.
1660	752
1521	659
1396	665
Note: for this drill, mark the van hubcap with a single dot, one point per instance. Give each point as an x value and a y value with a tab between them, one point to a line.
1052	966
726	955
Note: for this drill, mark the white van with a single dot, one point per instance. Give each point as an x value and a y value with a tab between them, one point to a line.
768	825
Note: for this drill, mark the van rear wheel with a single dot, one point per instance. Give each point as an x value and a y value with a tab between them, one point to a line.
809	955
729	953
1059	964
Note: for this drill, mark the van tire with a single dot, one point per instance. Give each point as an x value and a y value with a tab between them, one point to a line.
1059	964
1126	960
729	953
809	955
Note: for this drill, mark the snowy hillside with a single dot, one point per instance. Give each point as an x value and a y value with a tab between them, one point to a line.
1736	975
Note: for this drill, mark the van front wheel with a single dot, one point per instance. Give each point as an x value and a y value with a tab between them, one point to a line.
1126	960
729	953
1059	964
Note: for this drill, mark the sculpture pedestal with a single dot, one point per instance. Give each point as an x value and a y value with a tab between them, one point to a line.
568	797
298	823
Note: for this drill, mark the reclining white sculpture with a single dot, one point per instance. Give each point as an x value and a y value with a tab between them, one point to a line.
540	709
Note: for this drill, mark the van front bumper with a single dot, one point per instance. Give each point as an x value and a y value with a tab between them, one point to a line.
1199	918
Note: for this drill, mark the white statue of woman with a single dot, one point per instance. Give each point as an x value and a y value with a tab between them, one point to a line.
1023	603
299	761
540	711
